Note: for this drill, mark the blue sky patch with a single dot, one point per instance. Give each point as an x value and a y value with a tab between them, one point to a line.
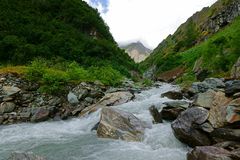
104	4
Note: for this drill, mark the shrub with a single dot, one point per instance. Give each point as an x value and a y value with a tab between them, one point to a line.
76	72
36	70
53	81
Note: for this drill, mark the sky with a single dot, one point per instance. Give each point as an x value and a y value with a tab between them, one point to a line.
148	21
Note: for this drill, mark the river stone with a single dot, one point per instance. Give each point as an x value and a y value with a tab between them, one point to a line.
24	156
184	130
7	107
226	134
117	124
218	110
110	99
171	113
176	104
198	87
72	98
210	153
173	95
232	87
157	117
205	99
233	111
9	90
40	115
215	83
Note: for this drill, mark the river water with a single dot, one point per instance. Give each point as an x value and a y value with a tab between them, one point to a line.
74	140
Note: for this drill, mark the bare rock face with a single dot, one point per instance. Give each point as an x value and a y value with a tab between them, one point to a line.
210	153
110	99
24	156
117	124
184	127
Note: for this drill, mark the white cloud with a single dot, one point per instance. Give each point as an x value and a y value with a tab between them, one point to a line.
149	21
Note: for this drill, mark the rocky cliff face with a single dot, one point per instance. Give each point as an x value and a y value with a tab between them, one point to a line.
137	51
222	18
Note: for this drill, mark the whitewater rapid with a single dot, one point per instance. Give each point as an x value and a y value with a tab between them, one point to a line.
74	140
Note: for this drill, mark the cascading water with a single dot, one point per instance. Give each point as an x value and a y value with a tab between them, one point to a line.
74	140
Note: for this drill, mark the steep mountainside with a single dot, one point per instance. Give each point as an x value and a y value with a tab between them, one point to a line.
137	51
206	44
69	29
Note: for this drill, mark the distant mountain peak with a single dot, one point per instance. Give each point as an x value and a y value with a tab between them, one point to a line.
137	51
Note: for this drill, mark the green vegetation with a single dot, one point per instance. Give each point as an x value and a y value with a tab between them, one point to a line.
218	53
53	78
69	29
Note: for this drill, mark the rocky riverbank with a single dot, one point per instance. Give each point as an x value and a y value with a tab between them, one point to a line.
20	100
211	124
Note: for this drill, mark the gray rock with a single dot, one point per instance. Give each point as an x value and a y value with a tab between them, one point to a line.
198	87
176	104
215	83
7	107
41	114
171	113
210	153
25	115
184	127
205	99
232	87
24	156
117	124
89	100
72	98
110	99
9	90
173	95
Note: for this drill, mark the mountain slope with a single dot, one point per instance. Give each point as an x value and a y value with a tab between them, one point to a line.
69	29
206	45
137	51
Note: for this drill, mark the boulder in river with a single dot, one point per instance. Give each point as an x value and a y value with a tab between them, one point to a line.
171	113
110	99
184	127
173	95
157	117
226	134
205	99
176	104
117	124
41	114
24	156
211	153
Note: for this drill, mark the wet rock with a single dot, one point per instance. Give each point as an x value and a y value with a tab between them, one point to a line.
24	156
232	87
25	115
40	115
233	111
184	130
95	127
210	153
117	124
10	91
171	113
226	134
7	107
205	99
218	110
157	117
110	99
173	95
176	104
72	98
